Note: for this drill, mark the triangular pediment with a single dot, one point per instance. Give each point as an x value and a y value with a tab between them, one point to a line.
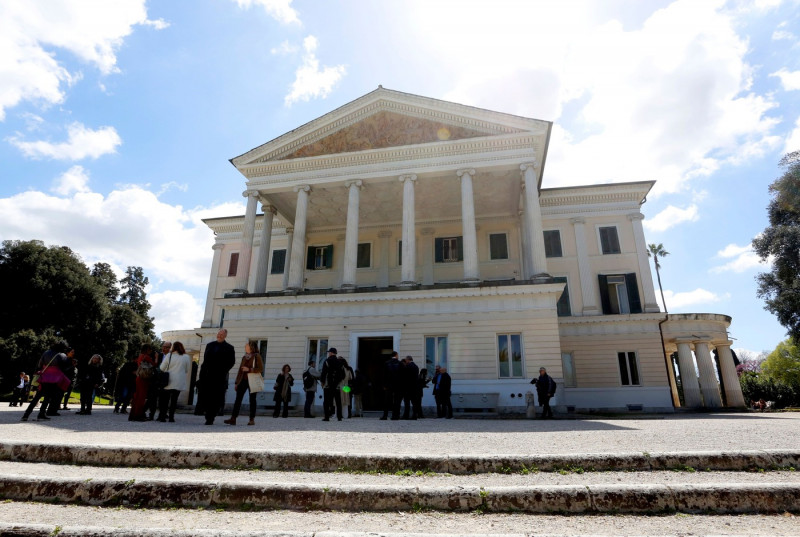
385	129
386	119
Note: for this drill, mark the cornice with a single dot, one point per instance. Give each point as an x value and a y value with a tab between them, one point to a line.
510	291
459	152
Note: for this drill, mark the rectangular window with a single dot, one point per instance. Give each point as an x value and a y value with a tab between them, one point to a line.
509	356
435	352
317	351
319	257
619	294
568	368
498	246
628	369
364	256
562	306
449	249
609	240
233	265
278	262
552	243
261	345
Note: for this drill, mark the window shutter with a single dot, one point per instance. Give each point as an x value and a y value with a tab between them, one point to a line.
278	262
634	301
605	300
438	248
328	255
562	307
310	258
460	248
233	266
399	252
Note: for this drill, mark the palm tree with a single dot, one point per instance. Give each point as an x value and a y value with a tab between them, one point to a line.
655	251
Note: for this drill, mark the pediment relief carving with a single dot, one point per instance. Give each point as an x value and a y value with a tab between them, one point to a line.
382	130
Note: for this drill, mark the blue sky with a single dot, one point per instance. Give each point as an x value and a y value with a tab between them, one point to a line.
117	118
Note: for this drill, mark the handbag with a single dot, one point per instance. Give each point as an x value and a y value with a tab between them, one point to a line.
145	370
255	382
54	375
163	376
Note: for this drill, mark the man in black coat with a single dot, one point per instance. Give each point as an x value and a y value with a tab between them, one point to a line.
410	374
331	375
545	389
442	386
392	387
218	360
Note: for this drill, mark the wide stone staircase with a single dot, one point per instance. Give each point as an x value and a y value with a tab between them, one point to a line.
51	489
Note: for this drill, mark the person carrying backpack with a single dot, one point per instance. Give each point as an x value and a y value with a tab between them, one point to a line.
331	375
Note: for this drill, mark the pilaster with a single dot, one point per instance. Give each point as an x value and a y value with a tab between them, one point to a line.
296	268
469	238
351	234
264	248
408	270
533	221
588	295
646	276
208	319
246	255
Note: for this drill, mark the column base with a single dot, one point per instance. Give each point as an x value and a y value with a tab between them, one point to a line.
472	282
408	284
591	311
291	291
236	293
348	287
542	277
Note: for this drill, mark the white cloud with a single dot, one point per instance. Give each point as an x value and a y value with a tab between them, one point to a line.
743	259
311	82
783	35
73	180
793	139
82	143
671	217
790	80
674	93
284	49
128	226
280	10
690	299
175	310
33	34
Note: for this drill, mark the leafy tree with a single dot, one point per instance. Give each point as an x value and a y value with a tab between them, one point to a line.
780	242
655	251
783	364
105	277
133	294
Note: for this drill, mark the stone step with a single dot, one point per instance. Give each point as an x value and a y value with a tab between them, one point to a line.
185	457
252	495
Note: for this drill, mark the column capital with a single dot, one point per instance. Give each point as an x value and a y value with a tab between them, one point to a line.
467	171
289	230
218	247
358	183
408	177
635	216
724	344
251	194
304	188
577	220
385	234
267	208
525	165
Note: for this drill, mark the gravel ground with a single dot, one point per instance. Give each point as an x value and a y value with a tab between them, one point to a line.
402	523
679	432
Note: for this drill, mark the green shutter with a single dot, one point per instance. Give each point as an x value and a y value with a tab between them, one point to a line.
328	256
310	258
460	248
634	301
439	256
605	300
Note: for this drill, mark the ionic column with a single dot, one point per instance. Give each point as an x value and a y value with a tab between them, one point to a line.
708	378
427	255
296	268
524	262
588	282
733	390
650	302
263	250
533	221
383	266
691	387
470	240
287	260
208	319
338	260
243	270
408	271
351	235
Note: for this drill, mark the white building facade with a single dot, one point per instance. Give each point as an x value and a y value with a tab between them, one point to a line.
399	222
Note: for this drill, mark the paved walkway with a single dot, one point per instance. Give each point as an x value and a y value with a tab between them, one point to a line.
664	433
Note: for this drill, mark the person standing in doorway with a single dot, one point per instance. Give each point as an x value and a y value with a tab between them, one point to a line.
392	387
545	390
410	387
218	360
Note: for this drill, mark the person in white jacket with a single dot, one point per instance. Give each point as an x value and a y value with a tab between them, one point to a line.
178	364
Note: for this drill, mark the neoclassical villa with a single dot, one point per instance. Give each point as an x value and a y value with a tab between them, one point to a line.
400	222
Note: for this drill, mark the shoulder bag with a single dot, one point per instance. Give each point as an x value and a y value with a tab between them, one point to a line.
163	376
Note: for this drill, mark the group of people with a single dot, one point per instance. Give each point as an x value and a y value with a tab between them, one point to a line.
57	374
153	381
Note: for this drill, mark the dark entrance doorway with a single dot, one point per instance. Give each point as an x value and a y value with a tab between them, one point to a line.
372	355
